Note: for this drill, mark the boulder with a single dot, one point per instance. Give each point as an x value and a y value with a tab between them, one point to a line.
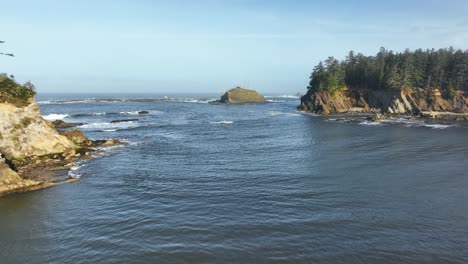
240	95
62	124
76	136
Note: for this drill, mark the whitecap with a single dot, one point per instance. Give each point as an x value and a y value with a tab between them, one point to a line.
224	122
284	96
198	101
110	126
371	123
276	113
53	117
130	113
73	172
308	113
438	126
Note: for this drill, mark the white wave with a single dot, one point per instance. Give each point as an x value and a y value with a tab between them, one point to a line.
130	113
53	117
43	102
291	96
308	113
110	126
138	112
438	126
109	130
198	101
74	171
371	123
273	101
276	113
84	101
224	122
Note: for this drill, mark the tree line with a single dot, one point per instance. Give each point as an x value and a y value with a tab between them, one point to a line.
444	69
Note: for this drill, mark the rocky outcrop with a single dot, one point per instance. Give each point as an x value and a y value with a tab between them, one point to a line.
408	102
62	124
241	96
33	154
10	181
24	133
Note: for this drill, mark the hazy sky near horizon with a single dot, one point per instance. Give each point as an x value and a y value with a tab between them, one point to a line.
209	45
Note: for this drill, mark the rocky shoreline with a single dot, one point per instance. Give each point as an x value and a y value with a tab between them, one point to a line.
381	104
35	153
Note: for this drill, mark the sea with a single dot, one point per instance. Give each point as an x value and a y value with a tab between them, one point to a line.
259	183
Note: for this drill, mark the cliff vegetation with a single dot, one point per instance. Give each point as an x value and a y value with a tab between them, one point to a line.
409	82
14	93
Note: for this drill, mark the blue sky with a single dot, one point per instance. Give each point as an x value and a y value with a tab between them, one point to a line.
209	45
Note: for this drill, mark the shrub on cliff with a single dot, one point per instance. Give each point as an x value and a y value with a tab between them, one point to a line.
14	93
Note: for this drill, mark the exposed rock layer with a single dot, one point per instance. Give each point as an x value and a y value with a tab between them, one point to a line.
11	182
393	102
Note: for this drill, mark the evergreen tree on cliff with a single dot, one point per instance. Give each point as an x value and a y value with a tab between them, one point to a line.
443	69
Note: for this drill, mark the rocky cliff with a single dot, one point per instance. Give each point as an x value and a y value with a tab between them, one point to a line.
24	133
410	102
27	141
241	96
33	154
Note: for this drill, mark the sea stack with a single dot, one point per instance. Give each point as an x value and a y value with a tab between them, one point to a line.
240	95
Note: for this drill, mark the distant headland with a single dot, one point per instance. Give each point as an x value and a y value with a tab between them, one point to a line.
429	83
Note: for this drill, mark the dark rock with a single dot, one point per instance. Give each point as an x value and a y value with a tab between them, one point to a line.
124	120
376	117
143	112
63	124
76	136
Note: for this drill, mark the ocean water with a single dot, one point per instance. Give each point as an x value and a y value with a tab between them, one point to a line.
202	183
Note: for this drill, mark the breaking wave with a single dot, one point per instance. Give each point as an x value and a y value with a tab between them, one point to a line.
53	117
223	122
136	100
110	127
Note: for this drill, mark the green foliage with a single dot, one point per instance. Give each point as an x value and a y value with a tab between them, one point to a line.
14	93
328	76
445	69
26	121
450	91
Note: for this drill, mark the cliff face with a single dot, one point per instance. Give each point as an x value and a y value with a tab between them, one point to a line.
11	181
241	96
26	136
386	101
24	133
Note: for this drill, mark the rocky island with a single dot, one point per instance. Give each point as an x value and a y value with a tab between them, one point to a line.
33	154
420	83
240	95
